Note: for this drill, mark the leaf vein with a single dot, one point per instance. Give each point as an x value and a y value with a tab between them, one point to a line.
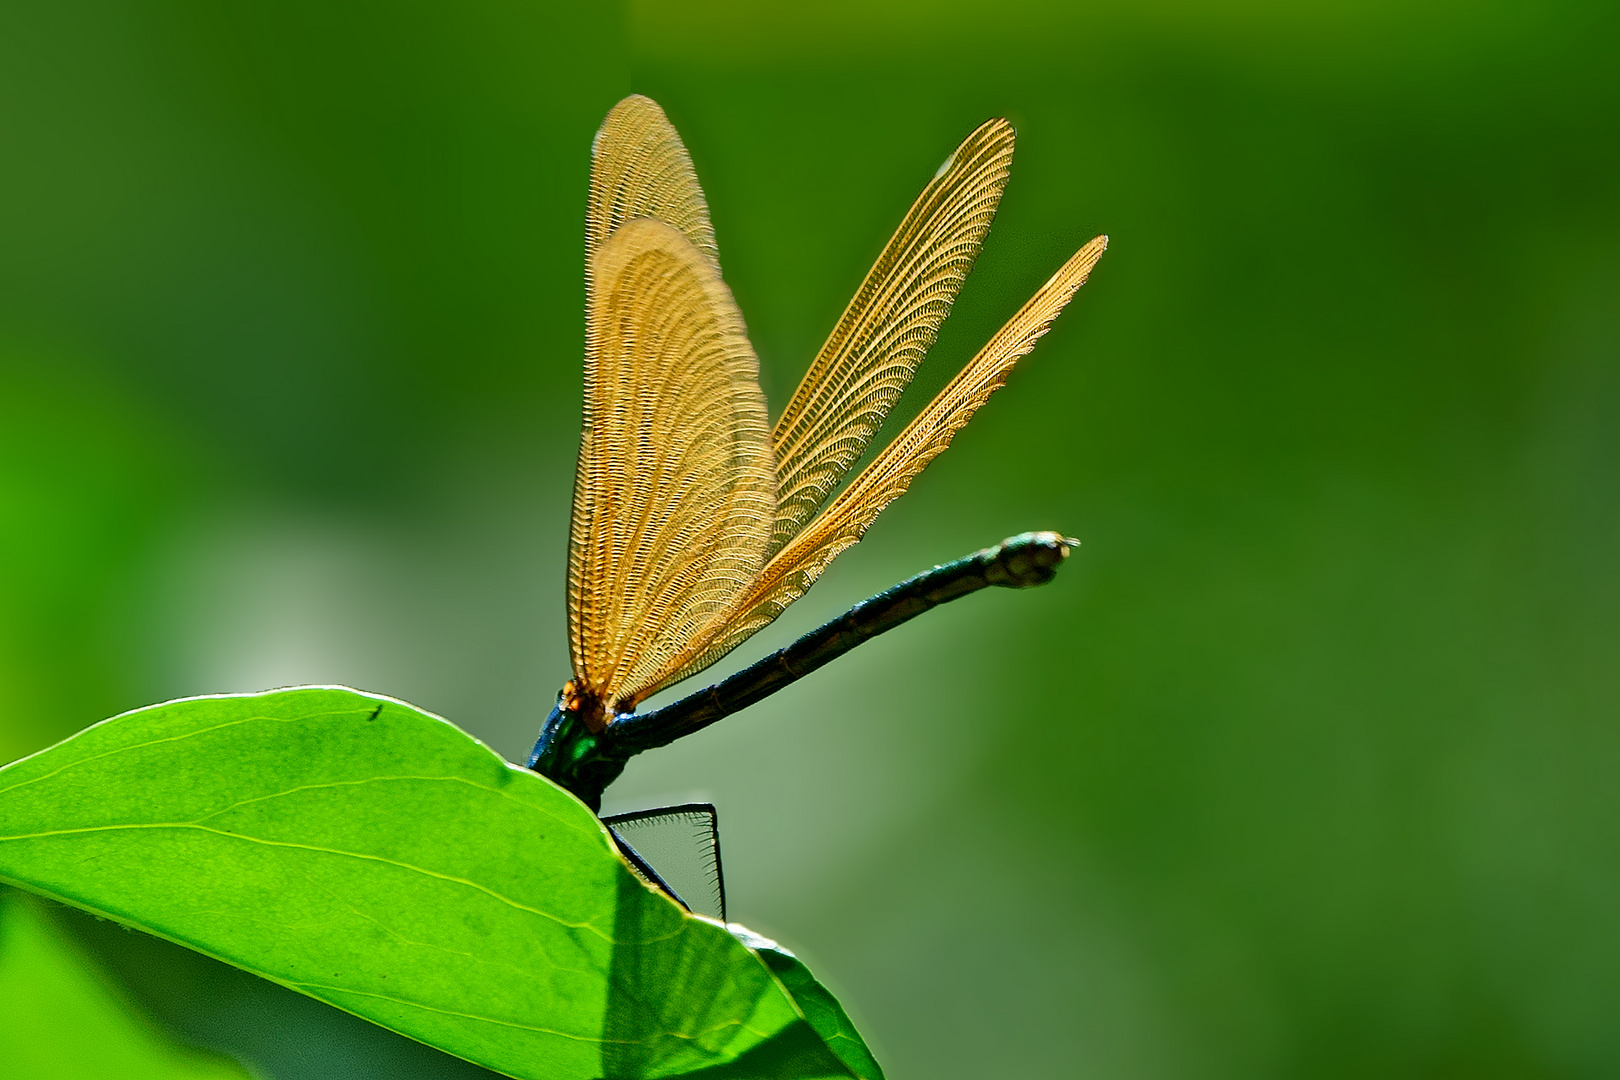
316	989
424	871
159	742
383	779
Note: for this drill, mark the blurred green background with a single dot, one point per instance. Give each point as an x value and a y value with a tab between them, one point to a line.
1307	763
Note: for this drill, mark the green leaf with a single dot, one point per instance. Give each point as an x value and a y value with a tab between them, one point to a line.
59	1019
828	1017
377	858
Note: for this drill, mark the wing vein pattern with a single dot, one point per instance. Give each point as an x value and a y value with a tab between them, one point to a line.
888	328
695	523
794	568
674	490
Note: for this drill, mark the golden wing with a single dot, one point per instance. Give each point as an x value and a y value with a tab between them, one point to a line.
794	568
640	168
674	491
887	328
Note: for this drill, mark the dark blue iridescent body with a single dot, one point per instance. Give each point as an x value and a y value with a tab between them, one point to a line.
586	762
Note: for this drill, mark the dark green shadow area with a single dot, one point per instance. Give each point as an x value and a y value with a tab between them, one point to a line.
821	1009
280	1033
63	1018
641	1000
797	1052
284	1035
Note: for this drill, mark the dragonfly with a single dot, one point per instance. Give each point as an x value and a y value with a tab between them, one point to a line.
696	521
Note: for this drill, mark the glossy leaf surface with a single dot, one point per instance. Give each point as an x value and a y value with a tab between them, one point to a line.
379	859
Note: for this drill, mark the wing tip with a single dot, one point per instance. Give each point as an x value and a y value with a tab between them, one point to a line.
636	110
995	137
998	132
635	102
1079	265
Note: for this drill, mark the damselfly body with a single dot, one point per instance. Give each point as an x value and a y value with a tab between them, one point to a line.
696	521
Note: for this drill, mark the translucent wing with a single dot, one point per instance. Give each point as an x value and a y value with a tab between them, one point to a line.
675	473
675	489
640	168
794	568
888	327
